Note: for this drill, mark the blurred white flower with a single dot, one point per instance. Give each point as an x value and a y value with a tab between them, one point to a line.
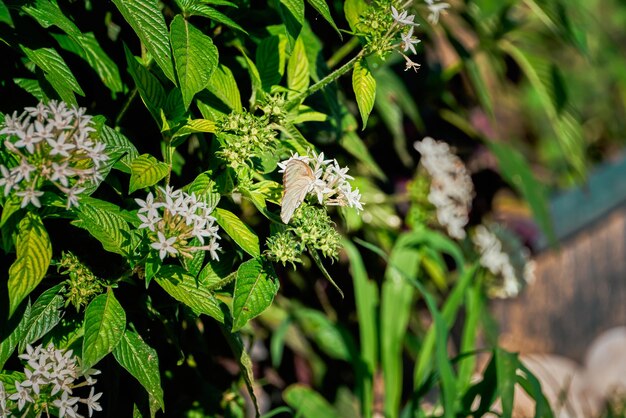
451	189
511	267
435	8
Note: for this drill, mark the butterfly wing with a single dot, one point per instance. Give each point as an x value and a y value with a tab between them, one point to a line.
297	180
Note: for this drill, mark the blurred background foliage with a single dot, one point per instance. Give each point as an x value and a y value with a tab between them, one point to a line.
531	93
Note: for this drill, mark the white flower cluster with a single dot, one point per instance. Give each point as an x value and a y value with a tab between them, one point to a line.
51	375
329	181
435	7
408	41
51	143
174	219
498	262
451	188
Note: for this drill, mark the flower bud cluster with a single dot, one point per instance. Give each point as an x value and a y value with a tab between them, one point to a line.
50	144
274	109
386	27
82	285
506	259
330	183
244	136
314	229
51	376
451	188
285	248
173	219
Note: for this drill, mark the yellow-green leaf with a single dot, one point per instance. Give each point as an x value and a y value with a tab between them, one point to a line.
34	253
146	19
186	289
146	171
195	56
298	69
241	233
364	85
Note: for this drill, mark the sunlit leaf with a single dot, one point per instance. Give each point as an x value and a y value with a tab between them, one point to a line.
34	253
195	55
364	85
255	288
146	19
105	321
146	171
241	233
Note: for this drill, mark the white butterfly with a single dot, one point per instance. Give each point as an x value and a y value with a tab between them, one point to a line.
298	179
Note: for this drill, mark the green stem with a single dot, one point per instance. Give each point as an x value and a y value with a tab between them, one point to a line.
168	154
342	52
325	81
130	99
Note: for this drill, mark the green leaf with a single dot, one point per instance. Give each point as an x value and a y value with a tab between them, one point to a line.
56	72
395	309
32	87
146	171
142	362
353	9
105	322
118	142
105	222
224	86
205	188
318	261
298	70
148	23
34	253
203	10
195	55
243	359
506	371
322	8
48	13
308	403
518	174
255	78
241	233
186	289
323	331
194	126
366	299
352	143
391	113
88	48
255	288
11	336
5	16
45	314
568	130
270	61
292	15
364	85
150	89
